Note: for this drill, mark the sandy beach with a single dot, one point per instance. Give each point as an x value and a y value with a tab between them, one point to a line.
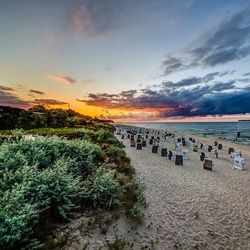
188	207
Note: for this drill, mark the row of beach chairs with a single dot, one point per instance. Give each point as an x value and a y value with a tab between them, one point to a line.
180	153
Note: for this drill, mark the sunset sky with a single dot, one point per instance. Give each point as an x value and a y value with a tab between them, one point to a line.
133	60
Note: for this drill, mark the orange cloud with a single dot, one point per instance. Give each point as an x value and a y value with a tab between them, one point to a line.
62	78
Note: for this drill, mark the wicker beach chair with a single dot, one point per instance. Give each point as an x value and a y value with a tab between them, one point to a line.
195	148
138	140
202	156
179	160
144	143
170	155
164	152
220	147
132	143
208	165
139	146
155	149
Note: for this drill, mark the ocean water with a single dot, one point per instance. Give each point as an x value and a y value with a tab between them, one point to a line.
226	130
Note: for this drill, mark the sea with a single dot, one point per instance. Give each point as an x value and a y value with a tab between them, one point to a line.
225	130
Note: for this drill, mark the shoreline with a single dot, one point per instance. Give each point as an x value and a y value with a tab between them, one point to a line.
180	132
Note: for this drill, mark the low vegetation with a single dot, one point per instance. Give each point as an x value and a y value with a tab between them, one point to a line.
47	179
40	117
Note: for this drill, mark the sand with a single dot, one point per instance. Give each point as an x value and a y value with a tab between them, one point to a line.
188	207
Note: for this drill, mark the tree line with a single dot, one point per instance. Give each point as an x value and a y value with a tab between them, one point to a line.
40	117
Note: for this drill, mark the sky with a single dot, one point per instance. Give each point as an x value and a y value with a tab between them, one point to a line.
133	60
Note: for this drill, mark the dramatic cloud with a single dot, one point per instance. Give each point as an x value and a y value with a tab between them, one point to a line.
204	96
194	80
3	88
229	42
37	92
105	100
9	99
62	78
49	102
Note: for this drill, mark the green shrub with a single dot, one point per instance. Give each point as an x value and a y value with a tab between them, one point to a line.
45	151
56	189
118	156
136	213
104	190
49	177
105	136
17	216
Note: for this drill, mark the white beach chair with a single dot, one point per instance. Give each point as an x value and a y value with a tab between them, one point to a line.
178	146
214	153
174	155
190	145
235	154
159	149
238	153
232	156
184	152
239	163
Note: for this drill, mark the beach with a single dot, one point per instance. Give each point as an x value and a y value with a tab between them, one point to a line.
192	207
188	207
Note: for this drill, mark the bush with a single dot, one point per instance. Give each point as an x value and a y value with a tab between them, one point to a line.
17	216
45	151
56	189
104	190
118	156
136	213
105	136
50	177
41	176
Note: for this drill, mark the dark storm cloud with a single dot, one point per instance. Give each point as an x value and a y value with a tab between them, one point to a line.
229	42
9	99
206	99
192	80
